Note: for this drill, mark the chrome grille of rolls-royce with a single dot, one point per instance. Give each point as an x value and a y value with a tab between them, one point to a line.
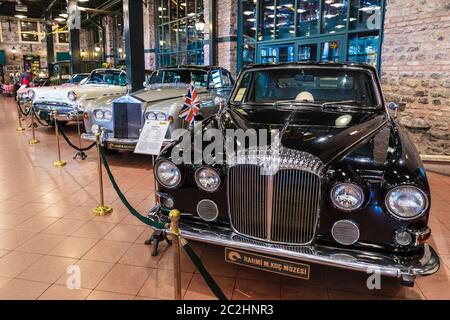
279	206
127	120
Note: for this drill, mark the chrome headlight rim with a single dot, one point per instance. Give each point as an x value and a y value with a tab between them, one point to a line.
107	115
179	180
101	111
337	205
147	114
72	96
403	218
163	114
196	177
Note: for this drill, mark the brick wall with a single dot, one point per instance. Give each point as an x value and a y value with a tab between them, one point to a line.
10	38
227	24
149	34
416	68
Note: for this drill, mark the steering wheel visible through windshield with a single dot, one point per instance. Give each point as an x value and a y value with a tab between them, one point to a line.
307	85
111	77
180	76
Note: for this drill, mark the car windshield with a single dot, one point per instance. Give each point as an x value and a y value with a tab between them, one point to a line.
307	85
112	77
180	76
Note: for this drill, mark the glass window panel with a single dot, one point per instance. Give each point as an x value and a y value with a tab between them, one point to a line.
330	51
200	8
182	36
364	48
182	8
248	54
307	52
365	14
267	20
173	36
334	16
29	31
190	10
191	35
163	11
308	17
173	10
63	37
286	19
249	20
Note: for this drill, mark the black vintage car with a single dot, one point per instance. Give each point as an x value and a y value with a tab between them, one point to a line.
349	191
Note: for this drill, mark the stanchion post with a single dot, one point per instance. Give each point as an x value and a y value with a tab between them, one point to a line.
58	163
102	209
175	230
33	129
80	153
19	118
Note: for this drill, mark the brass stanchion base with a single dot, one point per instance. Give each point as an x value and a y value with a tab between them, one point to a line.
102	210
34	141
59	163
20	129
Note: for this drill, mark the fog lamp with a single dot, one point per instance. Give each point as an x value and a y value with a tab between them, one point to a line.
403	238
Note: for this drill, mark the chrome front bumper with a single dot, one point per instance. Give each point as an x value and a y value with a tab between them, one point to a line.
45	114
402	267
115	143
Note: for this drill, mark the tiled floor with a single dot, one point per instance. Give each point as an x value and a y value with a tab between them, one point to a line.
46	226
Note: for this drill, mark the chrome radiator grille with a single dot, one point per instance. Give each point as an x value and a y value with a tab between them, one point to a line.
280	208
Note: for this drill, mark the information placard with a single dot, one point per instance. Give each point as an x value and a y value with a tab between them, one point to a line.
152	137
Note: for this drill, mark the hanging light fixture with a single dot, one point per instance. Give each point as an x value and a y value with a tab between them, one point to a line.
200	25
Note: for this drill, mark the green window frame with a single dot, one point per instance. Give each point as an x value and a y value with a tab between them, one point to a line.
350	23
179	36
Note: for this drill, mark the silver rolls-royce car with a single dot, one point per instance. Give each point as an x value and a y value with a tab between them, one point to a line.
121	120
70	100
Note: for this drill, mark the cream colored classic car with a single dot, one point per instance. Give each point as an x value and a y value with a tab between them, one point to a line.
161	99
69	100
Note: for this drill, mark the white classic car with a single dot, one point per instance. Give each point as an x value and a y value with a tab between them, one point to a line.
69	100
121	120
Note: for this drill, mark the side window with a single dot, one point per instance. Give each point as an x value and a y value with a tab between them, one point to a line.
226	79
216	79
122	79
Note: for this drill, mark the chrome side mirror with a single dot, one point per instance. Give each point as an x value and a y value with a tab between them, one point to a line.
394	107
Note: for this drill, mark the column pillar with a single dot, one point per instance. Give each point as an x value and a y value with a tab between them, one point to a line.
50	46
134	42
74	25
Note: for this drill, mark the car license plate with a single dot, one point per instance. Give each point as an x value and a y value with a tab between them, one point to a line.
270	264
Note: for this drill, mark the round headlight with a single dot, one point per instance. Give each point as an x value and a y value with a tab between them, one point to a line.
72	96
150	116
406	202
31	94
347	196
168	174
95	129
207	179
99	115
160	116
108	115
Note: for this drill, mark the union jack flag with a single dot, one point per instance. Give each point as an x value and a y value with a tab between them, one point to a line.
191	106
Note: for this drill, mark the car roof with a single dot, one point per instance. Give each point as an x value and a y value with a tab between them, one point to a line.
189	66
353	65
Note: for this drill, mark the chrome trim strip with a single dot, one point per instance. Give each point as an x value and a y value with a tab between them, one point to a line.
356	260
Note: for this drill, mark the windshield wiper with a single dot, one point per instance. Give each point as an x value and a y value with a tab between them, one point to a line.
294	102
347	103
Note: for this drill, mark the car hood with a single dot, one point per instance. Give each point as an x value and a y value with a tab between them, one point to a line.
84	92
325	134
152	95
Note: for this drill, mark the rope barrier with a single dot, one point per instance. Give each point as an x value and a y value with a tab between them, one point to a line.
39	120
159	225
61	129
133	211
24	113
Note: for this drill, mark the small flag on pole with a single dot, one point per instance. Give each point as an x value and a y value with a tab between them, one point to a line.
191	106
